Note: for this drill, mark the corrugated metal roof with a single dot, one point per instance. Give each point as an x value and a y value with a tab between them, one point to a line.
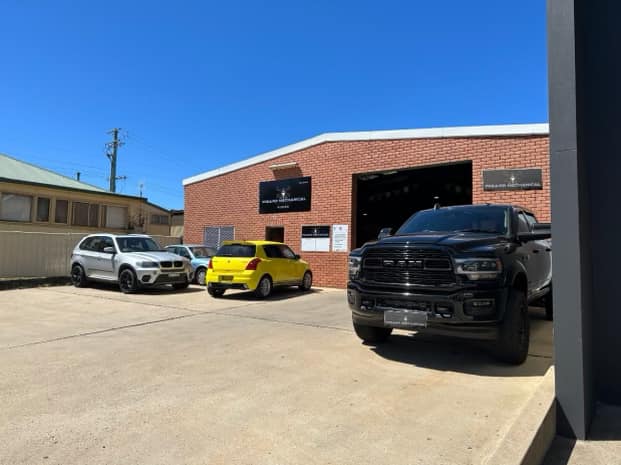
392	134
12	169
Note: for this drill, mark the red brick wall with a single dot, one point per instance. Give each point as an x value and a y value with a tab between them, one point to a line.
232	198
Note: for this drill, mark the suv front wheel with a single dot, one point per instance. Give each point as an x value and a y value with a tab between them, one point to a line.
78	276
128	282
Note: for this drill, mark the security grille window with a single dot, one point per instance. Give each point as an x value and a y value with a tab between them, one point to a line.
43	209
62	211
15	207
160	219
85	214
115	217
214	235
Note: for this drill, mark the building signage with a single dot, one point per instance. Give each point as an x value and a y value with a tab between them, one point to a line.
286	195
315	239
339	237
512	179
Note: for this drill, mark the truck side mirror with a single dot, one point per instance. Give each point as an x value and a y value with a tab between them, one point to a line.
534	236
384	232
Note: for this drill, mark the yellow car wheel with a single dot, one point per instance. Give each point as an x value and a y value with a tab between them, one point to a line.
307	281
264	288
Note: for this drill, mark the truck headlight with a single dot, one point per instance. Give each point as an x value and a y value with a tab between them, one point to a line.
148	264
478	268
354	266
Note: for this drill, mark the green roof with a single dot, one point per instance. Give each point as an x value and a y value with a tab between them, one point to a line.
19	171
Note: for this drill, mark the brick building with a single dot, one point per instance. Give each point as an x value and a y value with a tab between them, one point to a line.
326	195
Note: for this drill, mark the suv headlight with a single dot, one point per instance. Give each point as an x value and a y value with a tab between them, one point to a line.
148	264
354	266
478	268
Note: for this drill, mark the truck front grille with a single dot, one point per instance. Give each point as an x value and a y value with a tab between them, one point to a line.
416	266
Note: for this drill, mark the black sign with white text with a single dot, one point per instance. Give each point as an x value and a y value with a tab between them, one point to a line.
286	195
316	232
512	179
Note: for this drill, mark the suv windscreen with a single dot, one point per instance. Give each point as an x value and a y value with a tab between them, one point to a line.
137	244
236	250
488	219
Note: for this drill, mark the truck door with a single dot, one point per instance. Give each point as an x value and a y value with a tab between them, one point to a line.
533	256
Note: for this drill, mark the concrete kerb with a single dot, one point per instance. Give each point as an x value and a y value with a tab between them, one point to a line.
22	283
528	439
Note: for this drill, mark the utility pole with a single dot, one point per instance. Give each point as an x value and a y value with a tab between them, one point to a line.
111	154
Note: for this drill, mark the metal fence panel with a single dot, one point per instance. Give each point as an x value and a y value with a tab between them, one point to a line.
43	255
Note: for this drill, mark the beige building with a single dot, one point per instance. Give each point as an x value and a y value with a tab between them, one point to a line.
36	199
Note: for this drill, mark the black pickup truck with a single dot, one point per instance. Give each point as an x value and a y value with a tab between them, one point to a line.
467	271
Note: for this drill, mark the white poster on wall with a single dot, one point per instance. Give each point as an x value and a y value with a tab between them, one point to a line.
339	237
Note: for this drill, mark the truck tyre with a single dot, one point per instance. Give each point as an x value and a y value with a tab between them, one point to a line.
549	306
264	288
372	333
514	331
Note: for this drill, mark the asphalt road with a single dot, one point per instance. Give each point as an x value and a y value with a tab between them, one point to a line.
92	376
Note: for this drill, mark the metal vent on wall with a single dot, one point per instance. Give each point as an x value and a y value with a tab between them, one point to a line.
214	235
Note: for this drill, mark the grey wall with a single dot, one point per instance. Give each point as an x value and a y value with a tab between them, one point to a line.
584	78
598	59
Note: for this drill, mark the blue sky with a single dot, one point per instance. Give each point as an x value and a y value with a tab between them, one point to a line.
199	84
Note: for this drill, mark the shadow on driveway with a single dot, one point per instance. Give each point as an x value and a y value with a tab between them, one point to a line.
464	356
158	290
278	293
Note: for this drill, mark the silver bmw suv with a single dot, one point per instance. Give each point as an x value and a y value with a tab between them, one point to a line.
132	261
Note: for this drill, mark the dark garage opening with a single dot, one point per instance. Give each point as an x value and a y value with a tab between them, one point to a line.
386	199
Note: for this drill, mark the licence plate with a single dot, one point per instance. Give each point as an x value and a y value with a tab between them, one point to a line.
405	318
225	277
173	275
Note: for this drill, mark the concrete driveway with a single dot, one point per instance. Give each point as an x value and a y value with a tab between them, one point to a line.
92	376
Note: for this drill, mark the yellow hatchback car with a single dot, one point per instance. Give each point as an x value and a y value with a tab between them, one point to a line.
258	266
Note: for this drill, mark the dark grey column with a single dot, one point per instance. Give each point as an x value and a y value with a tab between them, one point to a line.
570	260
585	150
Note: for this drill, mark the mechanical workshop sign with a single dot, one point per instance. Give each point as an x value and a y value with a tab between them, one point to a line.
286	195
520	179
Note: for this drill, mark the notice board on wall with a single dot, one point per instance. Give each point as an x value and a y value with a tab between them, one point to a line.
315	238
339	237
